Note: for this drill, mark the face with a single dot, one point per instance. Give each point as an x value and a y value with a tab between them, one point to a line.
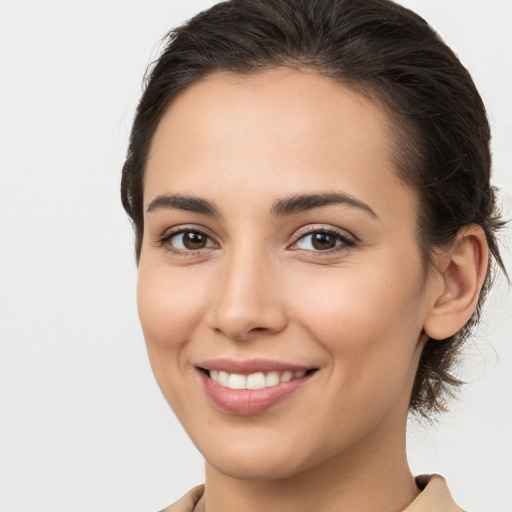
281	290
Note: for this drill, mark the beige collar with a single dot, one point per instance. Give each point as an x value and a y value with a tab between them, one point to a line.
434	497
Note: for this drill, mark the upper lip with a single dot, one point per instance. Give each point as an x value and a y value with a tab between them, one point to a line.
245	367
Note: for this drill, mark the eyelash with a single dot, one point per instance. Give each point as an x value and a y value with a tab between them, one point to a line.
169	235
345	240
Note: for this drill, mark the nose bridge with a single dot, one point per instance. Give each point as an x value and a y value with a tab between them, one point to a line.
248	301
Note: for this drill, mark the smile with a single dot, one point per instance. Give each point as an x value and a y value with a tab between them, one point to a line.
258	380
251	387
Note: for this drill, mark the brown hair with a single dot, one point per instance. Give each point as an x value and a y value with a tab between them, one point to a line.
440	129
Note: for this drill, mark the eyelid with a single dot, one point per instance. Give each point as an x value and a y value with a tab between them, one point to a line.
347	239
177	230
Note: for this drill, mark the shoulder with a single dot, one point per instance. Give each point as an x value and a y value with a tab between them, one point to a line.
188	502
434	496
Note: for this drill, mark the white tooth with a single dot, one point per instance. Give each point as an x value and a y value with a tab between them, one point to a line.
255	381
236	381
214	375
286	376
298	375
223	378
272	379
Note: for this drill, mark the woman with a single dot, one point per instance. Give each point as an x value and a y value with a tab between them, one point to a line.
309	187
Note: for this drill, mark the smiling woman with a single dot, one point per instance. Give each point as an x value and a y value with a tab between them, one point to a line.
309	186
83	426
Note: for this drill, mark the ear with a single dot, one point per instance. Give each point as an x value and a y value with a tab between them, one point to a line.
461	271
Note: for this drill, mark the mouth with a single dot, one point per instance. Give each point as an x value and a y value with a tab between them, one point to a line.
252	387
256	380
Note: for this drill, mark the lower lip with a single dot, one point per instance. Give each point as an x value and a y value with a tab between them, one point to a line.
245	402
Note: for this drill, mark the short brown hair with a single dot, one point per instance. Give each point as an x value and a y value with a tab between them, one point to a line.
386	52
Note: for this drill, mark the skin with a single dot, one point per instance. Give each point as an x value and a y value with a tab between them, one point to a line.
259	289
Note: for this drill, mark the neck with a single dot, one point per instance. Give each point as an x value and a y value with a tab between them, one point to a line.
372	478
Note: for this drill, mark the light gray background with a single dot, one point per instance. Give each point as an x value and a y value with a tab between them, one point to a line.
83	425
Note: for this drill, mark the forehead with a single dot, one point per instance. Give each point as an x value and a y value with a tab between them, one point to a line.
283	128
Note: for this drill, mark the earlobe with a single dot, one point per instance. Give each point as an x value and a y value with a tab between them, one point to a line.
462	269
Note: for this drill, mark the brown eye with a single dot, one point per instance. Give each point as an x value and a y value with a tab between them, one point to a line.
188	241
193	240
323	241
318	241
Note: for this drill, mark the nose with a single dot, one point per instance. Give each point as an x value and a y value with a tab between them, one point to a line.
248	302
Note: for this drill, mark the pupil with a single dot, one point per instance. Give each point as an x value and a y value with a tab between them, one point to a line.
323	241
194	240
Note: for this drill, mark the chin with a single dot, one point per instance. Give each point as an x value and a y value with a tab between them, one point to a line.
253	468
256	461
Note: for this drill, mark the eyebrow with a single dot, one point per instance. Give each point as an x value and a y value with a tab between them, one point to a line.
180	202
301	203
280	208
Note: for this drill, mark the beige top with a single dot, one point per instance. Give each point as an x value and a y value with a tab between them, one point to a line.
434	497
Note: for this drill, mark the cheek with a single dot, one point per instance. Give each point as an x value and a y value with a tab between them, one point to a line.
170	306
357	304
371	332
369	322
169	311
